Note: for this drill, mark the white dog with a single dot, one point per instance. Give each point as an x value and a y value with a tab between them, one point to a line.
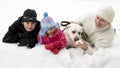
73	32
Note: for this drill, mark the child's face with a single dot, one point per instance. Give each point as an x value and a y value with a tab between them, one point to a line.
51	31
29	26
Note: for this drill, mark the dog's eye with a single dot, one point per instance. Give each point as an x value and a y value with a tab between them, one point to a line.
79	33
73	32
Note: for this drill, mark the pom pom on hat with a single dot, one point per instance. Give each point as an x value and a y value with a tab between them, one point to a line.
45	14
107	13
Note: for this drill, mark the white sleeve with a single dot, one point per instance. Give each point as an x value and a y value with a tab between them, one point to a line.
90	50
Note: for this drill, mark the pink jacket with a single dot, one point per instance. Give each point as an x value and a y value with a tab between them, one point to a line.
57	41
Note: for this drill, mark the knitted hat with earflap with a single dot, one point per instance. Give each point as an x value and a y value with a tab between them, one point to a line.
46	24
107	13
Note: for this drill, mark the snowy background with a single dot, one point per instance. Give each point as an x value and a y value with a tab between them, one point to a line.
12	56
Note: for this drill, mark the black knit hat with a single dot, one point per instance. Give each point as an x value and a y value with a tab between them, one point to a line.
29	15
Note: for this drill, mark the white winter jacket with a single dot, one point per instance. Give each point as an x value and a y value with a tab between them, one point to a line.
97	37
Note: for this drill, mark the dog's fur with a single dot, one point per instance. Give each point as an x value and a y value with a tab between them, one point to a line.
74	32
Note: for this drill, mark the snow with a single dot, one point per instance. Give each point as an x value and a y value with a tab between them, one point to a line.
12	56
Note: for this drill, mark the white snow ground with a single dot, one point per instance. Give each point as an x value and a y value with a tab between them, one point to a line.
12	56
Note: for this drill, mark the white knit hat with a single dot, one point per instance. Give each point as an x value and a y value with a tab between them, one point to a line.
106	13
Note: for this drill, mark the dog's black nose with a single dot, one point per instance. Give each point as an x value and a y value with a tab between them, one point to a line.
76	39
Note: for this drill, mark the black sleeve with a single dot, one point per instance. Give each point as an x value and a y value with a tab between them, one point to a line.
12	36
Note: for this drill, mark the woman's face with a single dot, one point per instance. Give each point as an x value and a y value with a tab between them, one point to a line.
100	22
29	26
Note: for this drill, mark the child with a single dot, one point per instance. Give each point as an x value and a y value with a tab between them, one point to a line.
24	30
50	35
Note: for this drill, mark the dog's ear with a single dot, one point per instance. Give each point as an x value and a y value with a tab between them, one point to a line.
65	23
84	35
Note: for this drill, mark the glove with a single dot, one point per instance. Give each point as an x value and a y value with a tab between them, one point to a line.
27	42
49	46
23	42
31	43
30	47
53	45
58	45
55	51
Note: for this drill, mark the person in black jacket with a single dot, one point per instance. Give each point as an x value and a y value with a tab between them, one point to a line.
24	30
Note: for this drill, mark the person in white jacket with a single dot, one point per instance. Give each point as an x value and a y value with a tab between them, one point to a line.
99	30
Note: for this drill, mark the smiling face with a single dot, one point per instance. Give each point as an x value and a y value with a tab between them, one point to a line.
29	26
100	22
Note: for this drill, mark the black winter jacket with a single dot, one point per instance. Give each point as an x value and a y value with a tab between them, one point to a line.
17	33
